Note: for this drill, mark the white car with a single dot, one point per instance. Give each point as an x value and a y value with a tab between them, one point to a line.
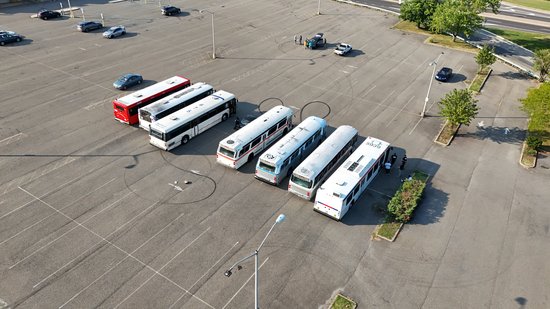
342	49
114	32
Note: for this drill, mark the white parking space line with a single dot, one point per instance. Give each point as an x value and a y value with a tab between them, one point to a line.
48	216
82	48
117	247
397	114
43	195
231	299
119	262
59	237
379	104
98	103
346	72
351	66
8	140
416	125
163	266
205	273
109	235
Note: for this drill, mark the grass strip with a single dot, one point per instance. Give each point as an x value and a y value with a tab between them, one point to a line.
388	230
342	302
536	4
531	41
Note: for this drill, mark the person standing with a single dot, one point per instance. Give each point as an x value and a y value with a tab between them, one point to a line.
237	123
387	167
403	162
295	39
393	158
300	39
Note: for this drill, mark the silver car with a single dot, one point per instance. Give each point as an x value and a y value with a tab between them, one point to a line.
114	32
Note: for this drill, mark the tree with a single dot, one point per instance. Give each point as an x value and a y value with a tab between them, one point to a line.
537	105
456	17
459	107
485	57
542	63
419	11
482	5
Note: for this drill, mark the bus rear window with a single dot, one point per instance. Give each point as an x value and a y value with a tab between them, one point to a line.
120	108
267	167
157	134
227	152
301	182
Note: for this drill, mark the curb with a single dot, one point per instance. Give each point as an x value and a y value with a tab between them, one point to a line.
482	83
388	239
439	134
521	157
367	6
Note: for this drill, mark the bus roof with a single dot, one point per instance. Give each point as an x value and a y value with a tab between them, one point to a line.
173	120
321	156
290	142
176	98
342	181
257	126
133	98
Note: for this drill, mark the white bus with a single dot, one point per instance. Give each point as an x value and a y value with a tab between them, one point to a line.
344	187
242	146
307	177
279	160
179	127
173	103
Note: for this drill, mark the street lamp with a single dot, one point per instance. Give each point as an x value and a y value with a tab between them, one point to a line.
213	41
319	8
434	64
228	272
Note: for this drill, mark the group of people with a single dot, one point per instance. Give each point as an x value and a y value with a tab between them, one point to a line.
391	162
298	39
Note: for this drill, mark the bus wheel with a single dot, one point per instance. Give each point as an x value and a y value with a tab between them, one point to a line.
224	117
185	140
250	158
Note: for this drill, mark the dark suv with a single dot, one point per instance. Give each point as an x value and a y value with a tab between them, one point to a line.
47	14
10	38
86	26
444	74
316	41
170	10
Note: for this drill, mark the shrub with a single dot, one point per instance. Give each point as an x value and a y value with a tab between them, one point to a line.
403	203
534	142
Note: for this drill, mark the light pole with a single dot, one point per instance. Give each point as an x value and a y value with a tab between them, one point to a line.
228	272
213	41
319	8
434	64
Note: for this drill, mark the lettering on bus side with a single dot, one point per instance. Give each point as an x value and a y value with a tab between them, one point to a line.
375	144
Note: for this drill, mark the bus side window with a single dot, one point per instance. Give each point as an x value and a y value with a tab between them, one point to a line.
256	141
245	148
281	123
348	199
133	110
370	173
272	130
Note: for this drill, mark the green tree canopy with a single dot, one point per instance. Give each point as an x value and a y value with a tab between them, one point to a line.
459	107
419	11
537	105
542	63
485	57
456	17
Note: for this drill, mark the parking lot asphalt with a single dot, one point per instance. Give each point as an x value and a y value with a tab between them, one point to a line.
90	215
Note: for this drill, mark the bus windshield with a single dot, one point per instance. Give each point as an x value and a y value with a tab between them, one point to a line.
267	167
227	152
145	115
301	182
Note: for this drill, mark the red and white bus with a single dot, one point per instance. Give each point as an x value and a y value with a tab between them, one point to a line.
126	108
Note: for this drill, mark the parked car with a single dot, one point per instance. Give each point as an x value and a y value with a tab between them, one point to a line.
316	41
342	49
444	74
2	32
47	14
128	80
10	38
169	10
86	26
114	32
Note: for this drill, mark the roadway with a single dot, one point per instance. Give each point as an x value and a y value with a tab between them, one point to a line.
91	216
509	16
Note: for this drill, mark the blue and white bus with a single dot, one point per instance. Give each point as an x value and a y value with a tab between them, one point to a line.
249	141
279	160
178	128
343	188
307	177
173	103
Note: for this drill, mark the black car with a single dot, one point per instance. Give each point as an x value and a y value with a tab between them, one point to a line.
10	38
128	80
47	14
170	10
444	74
86	26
